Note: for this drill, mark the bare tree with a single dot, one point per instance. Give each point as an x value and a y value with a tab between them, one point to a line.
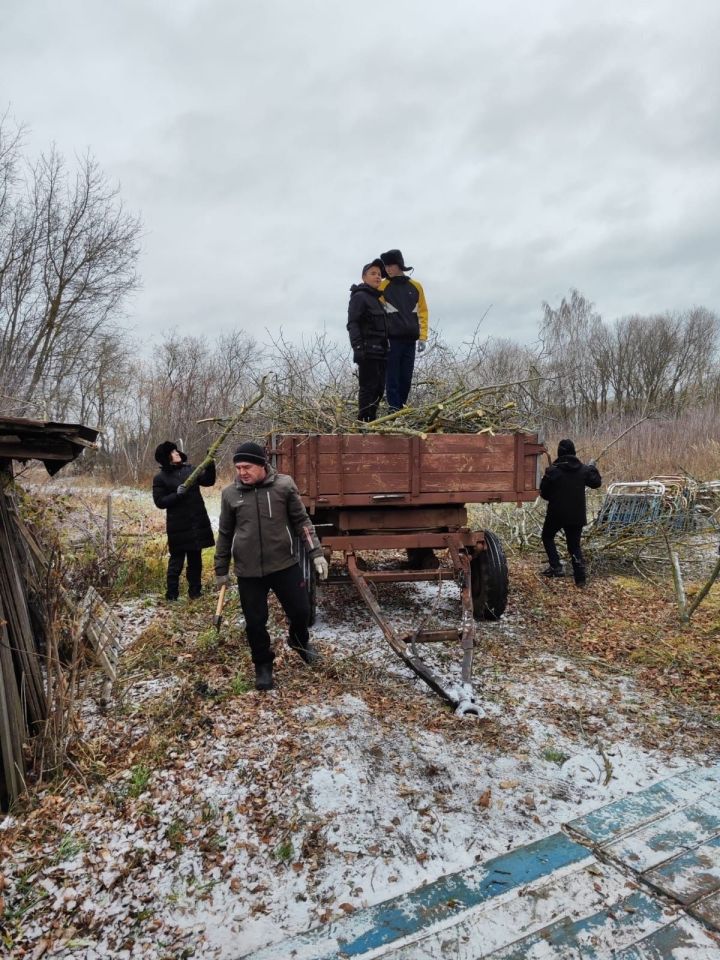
68	252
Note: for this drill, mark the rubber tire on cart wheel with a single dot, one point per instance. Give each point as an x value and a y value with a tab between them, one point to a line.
489	580
308	571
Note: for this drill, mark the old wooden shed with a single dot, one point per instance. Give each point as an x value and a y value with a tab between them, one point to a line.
23	698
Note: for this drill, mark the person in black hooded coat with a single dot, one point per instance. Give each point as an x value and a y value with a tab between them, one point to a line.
563	486
368	329
187	522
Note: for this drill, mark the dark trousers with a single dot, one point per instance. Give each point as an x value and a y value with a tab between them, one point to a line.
371	374
193	572
572	538
400	366
289	587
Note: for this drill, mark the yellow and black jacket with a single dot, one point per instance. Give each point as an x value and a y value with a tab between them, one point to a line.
406	307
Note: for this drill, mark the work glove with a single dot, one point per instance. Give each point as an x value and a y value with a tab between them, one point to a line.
181	490
358	353
322	567
222	580
421	345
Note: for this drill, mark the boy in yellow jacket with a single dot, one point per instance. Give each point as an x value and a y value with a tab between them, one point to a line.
407	326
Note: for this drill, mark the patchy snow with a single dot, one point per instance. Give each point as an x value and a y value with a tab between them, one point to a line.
266	815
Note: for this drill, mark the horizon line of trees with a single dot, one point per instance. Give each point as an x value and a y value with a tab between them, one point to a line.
68	262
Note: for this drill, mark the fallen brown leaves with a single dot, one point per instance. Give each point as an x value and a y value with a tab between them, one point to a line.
628	624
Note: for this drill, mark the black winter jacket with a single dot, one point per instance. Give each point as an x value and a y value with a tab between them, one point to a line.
187	522
404	298
367	323
563	486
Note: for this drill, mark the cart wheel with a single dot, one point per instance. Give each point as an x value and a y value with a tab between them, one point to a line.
308	572
489	580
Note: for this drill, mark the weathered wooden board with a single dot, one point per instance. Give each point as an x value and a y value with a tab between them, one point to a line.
662	839
689	876
465	467
103	630
682	939
617	925
380	930
709	911
654	802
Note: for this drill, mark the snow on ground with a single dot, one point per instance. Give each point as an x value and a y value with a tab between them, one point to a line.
279	811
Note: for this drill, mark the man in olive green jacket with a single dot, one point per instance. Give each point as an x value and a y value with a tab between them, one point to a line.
259	514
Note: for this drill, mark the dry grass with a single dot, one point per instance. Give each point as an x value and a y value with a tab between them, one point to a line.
689	444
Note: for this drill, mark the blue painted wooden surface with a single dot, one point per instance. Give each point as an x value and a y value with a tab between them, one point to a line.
623	816
689	876
594	936
441	900
681	939
708	910
666	837
662	839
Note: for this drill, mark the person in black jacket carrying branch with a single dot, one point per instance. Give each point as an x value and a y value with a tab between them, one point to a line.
368	329
563	486
187	522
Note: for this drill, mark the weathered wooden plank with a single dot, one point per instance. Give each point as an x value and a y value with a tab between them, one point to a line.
617	925
475	462
440	902
708	910
683	939
350	462
379	482
103	630
691	875
504	921
13	730
470	483
662	839
624	816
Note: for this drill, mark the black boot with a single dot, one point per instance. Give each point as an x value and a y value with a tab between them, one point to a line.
578	568
309	654
553	571
263	676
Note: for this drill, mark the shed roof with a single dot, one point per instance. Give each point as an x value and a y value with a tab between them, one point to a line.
54	443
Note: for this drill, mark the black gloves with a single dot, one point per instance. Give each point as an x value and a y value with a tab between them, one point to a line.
181	490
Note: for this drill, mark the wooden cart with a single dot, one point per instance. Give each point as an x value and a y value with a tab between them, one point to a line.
367	493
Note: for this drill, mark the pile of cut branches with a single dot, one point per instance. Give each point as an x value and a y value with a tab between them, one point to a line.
492	409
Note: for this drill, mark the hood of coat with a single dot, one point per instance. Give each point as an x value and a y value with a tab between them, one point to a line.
365	288
267	482
162	456
568	462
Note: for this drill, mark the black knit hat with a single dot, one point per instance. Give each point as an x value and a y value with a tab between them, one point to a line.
395	257
163	451
566	448
250	453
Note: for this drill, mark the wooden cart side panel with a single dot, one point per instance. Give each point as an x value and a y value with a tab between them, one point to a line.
482	466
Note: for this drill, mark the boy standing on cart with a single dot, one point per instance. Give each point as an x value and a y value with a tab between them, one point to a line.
407	326
259	513
368	329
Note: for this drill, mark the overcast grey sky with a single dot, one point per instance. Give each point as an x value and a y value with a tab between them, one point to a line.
512	150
